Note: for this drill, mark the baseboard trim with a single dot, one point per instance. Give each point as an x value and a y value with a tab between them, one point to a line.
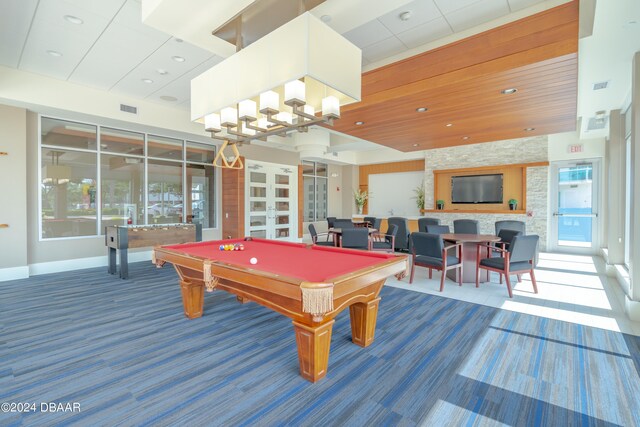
81	263
14	273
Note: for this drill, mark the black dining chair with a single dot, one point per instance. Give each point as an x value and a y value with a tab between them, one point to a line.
343	223
438	229
384	242
520	226
402	236
314	237
330	221
423	222
355	238
506	236
428	250
466	226
515	225
518	259
370	220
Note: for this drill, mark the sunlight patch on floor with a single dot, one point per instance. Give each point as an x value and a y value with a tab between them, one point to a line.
572	288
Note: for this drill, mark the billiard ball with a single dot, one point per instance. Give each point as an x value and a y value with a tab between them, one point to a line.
241	247
222	247
253	260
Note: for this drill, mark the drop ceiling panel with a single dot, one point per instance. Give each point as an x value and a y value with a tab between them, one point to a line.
108	61
370	33
476	14
425	33
383	49
421	11
447	6
72	44
15	20
178	84
104	8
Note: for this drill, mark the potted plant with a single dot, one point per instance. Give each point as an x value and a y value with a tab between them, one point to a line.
513	204
419	196
360	197
440	204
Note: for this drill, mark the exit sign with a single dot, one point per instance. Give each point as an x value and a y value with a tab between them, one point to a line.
576	148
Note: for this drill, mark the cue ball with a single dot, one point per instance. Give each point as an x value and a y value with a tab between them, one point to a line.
253	260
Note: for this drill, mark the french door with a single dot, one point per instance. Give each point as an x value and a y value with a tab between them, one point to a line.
575	192
271	192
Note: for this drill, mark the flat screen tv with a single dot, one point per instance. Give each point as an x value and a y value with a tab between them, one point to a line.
476	189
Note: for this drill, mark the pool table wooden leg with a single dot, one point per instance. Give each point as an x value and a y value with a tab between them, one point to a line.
192	298
313	349
363	321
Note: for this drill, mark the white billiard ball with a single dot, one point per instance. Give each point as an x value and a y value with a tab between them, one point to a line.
253	260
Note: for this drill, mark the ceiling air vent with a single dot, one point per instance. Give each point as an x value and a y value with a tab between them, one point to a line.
600	85
596	123
128	109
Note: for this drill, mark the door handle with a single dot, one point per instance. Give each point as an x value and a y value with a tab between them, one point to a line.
558	214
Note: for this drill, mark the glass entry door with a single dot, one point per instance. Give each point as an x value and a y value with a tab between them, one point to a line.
574	206
271	194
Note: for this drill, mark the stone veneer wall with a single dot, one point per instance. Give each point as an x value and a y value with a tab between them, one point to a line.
525	150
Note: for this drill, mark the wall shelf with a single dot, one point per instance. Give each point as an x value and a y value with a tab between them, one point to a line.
475	211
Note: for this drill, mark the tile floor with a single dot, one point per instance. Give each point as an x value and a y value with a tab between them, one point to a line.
572	288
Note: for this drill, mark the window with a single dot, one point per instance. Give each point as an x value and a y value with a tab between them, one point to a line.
94	176
315	190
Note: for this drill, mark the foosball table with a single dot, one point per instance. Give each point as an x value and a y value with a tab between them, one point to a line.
124	237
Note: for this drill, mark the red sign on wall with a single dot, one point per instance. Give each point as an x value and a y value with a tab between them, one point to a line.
576	148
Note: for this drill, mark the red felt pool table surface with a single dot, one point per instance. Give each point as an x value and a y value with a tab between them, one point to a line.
309	263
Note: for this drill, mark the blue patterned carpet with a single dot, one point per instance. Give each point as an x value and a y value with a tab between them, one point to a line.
126	353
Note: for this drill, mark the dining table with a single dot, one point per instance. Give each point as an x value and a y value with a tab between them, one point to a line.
469	250
337	234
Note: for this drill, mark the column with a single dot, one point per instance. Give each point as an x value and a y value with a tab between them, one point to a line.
634	268
615	188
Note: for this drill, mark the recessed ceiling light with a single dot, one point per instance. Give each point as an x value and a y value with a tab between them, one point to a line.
358	123
168	98
178	58
529	129
325	18
405	16
416	145
421	109
54	53
162	72
148	81
464	138
73	19
509	91
449	125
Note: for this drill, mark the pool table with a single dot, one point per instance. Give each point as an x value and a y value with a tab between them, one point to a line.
307	283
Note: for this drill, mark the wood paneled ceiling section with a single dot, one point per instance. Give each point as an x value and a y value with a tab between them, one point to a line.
461	84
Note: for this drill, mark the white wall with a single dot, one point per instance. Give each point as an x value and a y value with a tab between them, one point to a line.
13	211
559	144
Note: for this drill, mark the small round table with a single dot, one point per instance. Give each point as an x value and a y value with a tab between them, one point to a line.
469	251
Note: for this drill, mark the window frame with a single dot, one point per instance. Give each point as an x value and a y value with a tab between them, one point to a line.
98	153
315	177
